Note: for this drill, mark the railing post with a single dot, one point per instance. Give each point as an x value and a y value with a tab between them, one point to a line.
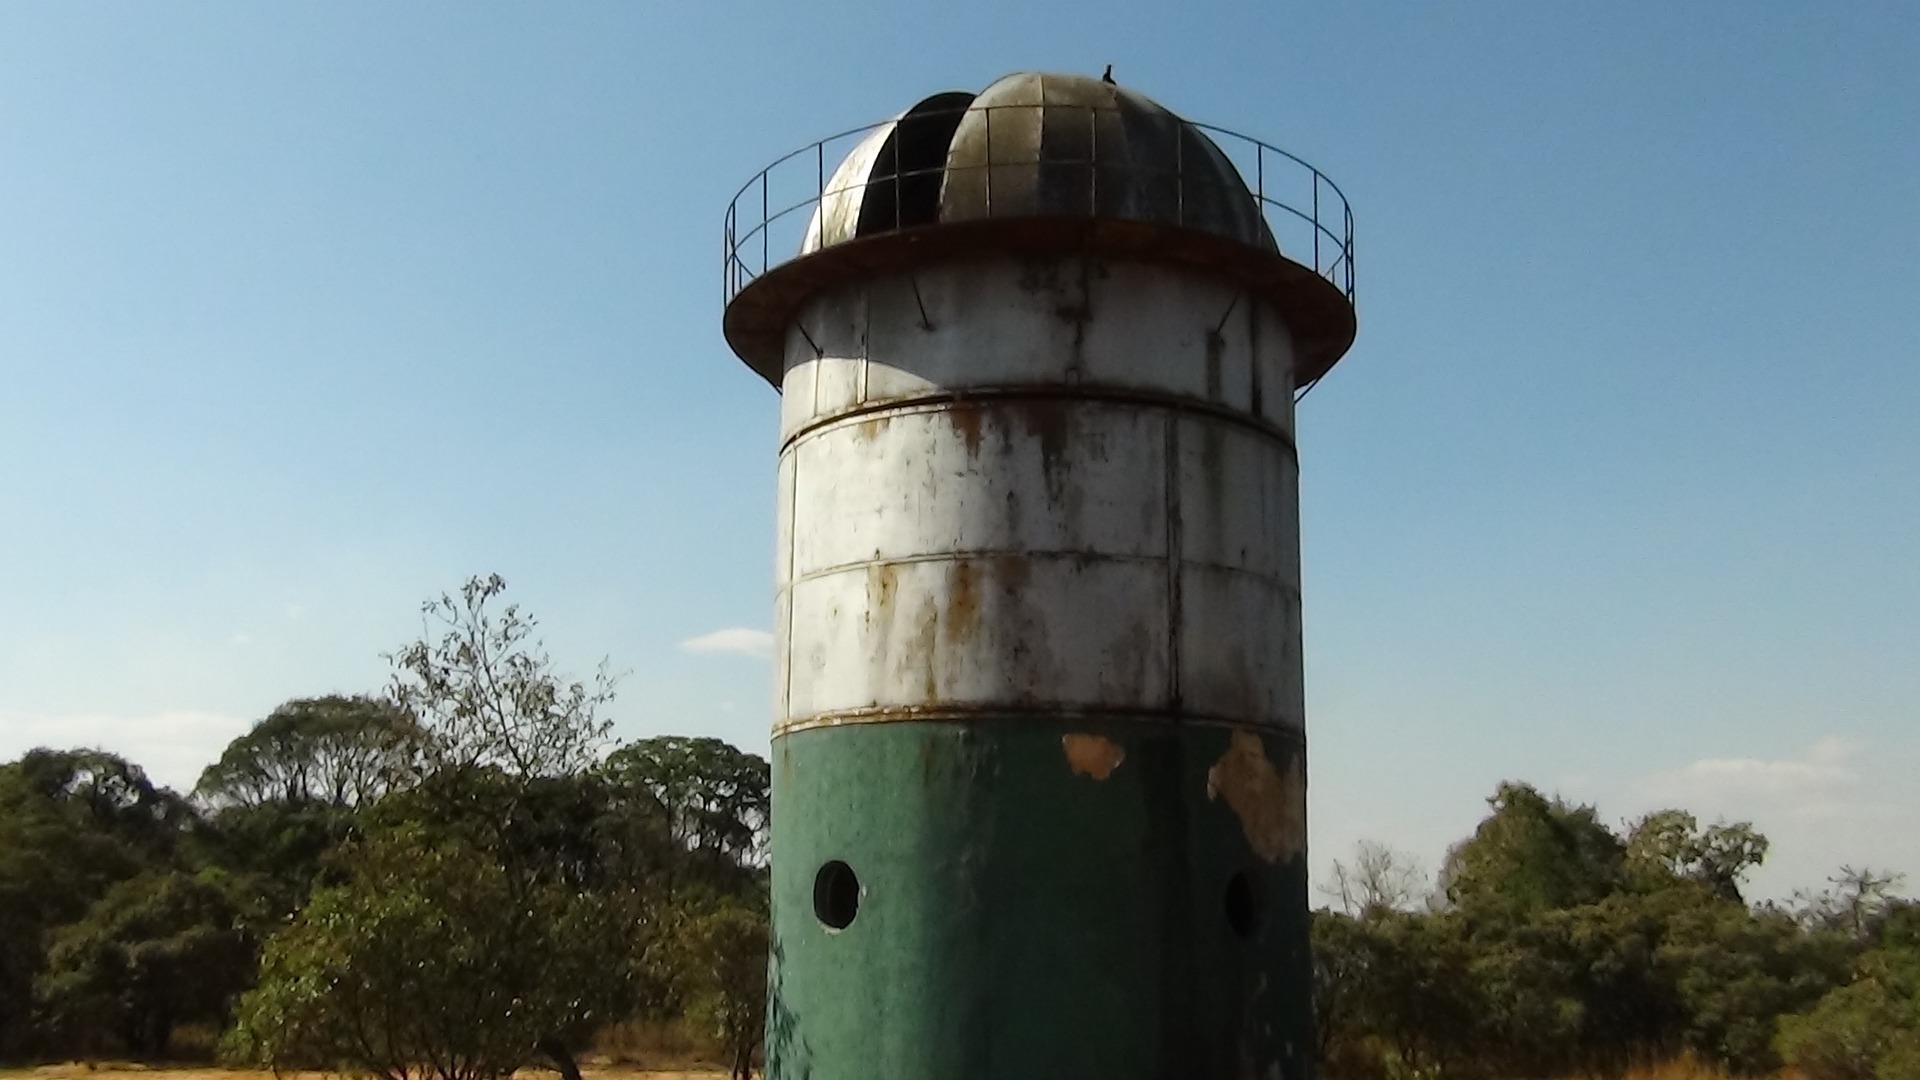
1316	221
1260	180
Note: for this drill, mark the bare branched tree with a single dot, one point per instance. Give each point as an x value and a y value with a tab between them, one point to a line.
1855	901
1377	878
484	689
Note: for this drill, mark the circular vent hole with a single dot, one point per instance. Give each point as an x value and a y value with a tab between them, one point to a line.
836	895
1243	904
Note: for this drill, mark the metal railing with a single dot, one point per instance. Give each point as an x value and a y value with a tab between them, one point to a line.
1307	215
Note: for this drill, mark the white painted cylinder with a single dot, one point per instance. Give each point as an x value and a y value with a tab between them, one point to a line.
1038	487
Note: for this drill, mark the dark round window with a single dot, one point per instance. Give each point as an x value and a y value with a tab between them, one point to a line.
1242	903
836	895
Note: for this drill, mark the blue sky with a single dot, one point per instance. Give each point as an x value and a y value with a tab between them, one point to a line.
309	311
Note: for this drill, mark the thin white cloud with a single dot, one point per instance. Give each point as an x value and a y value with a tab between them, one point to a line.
1814	783
1833	803
171	746
734	639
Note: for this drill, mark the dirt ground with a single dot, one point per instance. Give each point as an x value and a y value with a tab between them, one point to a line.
125	1071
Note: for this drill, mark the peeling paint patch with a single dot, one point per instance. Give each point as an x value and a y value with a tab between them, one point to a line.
1092	755
1271	805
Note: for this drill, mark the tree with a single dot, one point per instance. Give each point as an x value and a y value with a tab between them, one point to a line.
1856	902
332	751
431	961
158	950
105	793
1669	845
727	991
287	791
1392	994
1737	971
710	800
1868	1029
72	824
453	896
1567	949
1533	854
487	694
1377	878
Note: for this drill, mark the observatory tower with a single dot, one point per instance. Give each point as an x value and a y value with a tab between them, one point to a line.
1039	794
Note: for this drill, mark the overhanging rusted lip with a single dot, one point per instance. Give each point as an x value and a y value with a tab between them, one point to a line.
1315	310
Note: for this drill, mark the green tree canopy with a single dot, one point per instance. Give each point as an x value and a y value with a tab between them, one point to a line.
1533	854
727	947
158	950
710	798
333	751
1669	845
1868	1029
466	889
72	824
432	960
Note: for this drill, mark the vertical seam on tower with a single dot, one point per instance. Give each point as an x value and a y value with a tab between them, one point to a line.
1172	500
793	545
866	341
813	392
793	536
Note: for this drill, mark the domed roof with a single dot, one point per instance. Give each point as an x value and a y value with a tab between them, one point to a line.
1036	145
1040	165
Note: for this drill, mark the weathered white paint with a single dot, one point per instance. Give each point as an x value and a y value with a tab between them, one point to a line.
1038	487
839	207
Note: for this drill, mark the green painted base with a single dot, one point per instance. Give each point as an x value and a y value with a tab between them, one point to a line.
1033	898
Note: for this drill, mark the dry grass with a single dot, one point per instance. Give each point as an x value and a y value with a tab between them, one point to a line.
121	1070
1680	1068
654	1044
648	1043
640	1050
1686	1067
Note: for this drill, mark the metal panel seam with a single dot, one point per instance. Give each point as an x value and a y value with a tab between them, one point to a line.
1171	491
940	402
1283	584
1005	714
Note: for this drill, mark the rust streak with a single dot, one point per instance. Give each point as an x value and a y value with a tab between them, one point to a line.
966	419
963	603
922	652
1092	755
1271	805
883	580
1049	421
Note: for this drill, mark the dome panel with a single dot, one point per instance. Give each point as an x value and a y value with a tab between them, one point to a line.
1032	145
837	216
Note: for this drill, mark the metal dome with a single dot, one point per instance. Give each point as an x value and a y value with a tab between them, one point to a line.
1039	164
1036	145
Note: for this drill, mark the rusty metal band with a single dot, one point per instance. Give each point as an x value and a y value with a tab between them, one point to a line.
1020	714
1081	394
1286	585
